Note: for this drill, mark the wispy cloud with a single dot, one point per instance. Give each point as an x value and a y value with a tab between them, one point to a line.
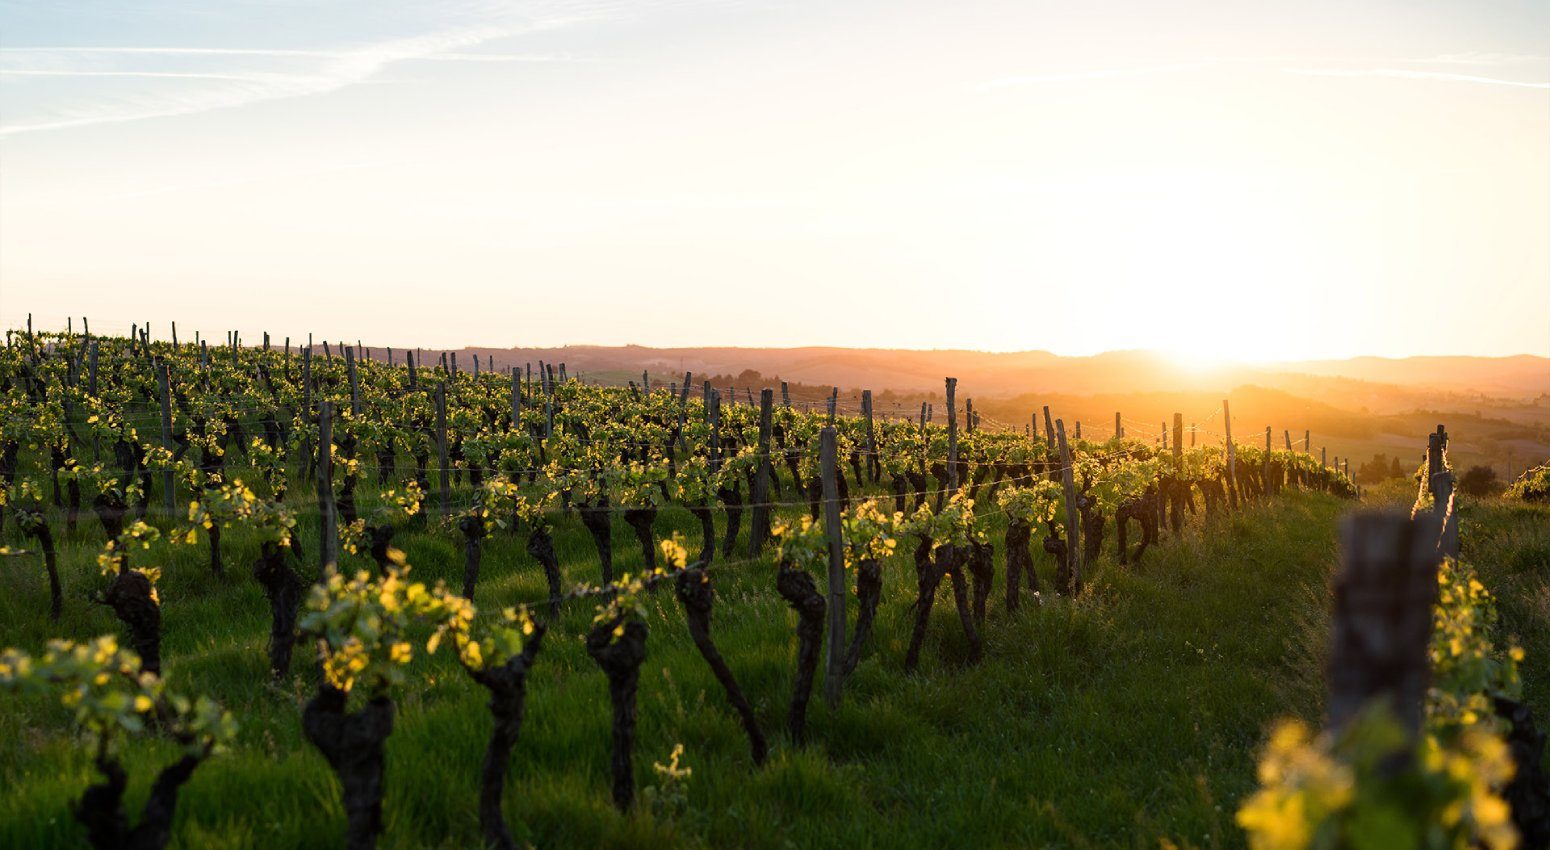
322	71
13	54
174	75
1494	59
1402	74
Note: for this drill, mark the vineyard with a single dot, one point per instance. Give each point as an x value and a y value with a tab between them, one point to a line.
272	598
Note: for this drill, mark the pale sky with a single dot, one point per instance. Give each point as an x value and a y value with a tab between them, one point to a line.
1223	179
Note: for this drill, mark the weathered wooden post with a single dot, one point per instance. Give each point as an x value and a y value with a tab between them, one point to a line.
1265	470
306	396
834	670
785	395
683	411
164	379
1049	428
874	467
1119	427
516	401
91	374
443	477
1382	617
355	385
759	524
1073	518
328	524
1178	442
713	419
952	437
1434	464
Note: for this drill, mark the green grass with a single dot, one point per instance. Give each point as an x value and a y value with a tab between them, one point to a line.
1509	544
1129	715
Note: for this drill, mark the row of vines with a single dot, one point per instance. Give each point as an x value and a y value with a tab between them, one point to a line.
142	446
1428	743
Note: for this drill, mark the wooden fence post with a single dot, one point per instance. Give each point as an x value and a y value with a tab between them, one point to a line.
355	385
328	524
1073	518
91	374
834	671
1266	470
1178	442
759	523
785	395
1119	427
1382	617
874	466
444	475
306	397
952	437
516	401
164	379
683	412
1434	464
1446	512
713	419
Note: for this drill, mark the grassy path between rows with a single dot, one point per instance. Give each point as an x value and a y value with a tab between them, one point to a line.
1130	715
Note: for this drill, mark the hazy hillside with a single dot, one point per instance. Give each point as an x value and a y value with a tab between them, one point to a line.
1523	375
1373	383
1498	409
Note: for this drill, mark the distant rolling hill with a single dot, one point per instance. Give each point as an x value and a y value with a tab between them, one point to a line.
1370	382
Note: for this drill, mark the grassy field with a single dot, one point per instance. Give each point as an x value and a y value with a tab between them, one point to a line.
1128	715
1510	544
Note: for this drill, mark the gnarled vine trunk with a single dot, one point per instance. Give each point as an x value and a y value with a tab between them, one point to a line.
707	533
620	657
641	521
507	685
473	540
129	595
540	545
732	498
869	592
801	593
353	744
101	807
284	589
928	576
598	519
695	594
982	569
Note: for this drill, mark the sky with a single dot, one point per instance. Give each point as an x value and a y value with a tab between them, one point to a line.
1249	181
